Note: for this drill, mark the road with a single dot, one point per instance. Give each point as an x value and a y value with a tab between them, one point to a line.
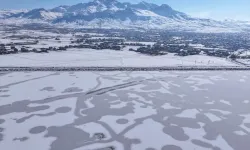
96	68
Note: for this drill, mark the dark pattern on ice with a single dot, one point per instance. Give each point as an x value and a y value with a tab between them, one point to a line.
21	139
171	147
37	130
49	89
63	110
72	89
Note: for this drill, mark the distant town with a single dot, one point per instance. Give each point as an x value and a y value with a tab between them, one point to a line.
232	46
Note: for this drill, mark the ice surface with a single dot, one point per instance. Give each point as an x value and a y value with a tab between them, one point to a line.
124	110
189	113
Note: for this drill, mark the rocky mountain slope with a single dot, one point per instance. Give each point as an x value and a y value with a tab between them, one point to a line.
114	14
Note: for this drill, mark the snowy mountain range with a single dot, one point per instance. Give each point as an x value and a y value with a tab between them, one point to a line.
114	14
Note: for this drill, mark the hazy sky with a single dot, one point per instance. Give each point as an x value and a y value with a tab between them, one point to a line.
216	9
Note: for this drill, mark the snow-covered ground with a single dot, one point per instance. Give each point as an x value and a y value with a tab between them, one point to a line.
45	39
146	43
245	53
244	61
90	57
125	110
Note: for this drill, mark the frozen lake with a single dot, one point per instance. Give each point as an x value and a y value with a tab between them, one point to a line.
125	110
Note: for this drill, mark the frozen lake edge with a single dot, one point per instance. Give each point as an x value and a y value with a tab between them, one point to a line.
95	68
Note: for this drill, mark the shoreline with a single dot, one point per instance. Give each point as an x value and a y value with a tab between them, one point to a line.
96	68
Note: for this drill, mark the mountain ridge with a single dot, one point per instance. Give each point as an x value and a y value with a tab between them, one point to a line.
98	6
103	13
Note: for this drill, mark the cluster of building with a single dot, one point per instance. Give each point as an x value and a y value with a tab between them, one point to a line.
97	44
180	43
4	49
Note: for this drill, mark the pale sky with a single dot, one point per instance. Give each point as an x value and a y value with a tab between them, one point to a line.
215	9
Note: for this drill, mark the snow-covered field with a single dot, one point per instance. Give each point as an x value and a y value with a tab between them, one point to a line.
245	61
125	110
245	53
146	43
89	57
